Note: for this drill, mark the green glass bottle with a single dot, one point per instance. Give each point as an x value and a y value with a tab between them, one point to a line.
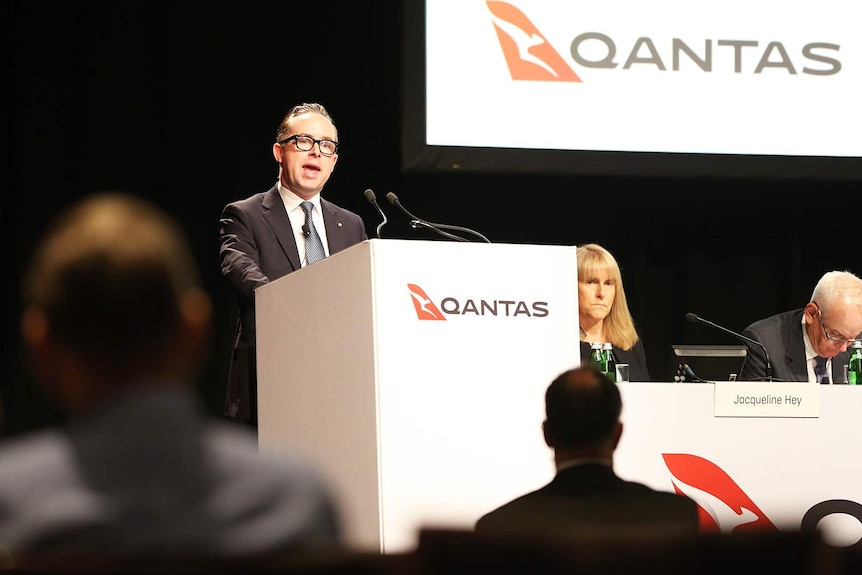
596	358
854	368
610	360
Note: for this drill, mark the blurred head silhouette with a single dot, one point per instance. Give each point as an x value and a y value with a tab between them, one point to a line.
112	299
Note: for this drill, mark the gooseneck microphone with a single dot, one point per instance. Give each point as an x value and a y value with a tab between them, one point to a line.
369	195
693	318
417	223
420	223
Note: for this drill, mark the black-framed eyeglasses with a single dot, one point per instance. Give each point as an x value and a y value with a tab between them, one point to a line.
306	143
833	339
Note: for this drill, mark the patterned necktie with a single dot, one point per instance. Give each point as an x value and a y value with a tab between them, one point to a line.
820	369
313	246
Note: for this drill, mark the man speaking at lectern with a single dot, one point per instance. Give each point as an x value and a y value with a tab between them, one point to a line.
809	344
274	233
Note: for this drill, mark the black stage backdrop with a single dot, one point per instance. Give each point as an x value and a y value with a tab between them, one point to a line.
179	101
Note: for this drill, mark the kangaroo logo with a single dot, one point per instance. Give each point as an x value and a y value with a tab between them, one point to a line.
528	53
425	308
724	506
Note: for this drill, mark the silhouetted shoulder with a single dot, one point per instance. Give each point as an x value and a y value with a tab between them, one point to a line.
272	499
634	509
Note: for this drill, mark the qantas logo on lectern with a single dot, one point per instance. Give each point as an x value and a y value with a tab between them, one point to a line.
425	308
528	53
475	307
724	506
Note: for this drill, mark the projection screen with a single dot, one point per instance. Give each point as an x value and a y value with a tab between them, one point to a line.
625	87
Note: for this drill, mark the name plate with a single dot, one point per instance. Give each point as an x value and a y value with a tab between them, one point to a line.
767	399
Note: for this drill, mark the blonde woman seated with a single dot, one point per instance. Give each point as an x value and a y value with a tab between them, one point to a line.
603	312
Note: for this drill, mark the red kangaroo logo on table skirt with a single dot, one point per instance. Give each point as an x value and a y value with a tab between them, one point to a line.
724	506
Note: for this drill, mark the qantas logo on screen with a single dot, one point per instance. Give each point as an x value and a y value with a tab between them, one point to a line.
531	57
426	309
528	53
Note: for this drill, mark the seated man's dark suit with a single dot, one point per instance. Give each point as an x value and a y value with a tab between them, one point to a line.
781	334
257	246
591	499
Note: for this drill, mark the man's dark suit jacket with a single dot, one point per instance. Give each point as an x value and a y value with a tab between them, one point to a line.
257	246
591	500
781	334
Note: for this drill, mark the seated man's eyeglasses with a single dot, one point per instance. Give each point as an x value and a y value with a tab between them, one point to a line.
306	143
837	340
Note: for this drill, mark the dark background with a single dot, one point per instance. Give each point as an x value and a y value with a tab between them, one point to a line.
179	102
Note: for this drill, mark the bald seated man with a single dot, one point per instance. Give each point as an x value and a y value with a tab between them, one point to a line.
808	344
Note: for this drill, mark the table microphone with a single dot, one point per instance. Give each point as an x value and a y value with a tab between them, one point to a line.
685	373
369	195
693	318
420	223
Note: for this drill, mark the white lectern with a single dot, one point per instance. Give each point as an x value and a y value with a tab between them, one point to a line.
412	373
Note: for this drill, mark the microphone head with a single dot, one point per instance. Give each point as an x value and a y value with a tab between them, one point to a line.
393	199
369	195
691	317
689	373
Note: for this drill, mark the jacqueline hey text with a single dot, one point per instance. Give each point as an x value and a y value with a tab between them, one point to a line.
767	400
